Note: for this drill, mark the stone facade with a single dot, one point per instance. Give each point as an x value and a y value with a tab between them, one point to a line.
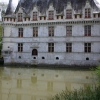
80	47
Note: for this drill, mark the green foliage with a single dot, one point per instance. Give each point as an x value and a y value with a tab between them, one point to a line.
98	74
88	93
0	39
82	94
0	33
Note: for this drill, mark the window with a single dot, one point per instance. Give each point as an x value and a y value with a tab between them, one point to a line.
51	15
34	80
34	16
68	14
20	47
50	86
51	31
43	57
19	83
34	52
20	17
68	47
50	47
94	15
18	97
35	31
99	15
20	32
87	47
57	58
87	13
69	31
87	30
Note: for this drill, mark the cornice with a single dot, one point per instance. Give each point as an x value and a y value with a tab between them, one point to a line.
54	23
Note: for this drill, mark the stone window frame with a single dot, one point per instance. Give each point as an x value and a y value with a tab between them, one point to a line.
69	14
35	16
51	31
51	15
87	30
87	47
20	17
68	47
20	32
68	30
50	47
35	31
87	12
20	47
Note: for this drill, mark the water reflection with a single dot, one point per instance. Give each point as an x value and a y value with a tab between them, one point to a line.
40	84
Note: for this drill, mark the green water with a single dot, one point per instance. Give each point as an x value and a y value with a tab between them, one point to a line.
40	84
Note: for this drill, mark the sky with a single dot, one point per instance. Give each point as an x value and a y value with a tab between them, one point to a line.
6	1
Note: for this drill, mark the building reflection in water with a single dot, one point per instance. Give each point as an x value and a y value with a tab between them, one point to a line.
40	84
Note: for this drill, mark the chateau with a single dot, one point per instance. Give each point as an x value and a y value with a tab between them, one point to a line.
52	32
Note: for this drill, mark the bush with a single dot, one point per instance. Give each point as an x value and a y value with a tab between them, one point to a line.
98	74
83	94
87	94
0	39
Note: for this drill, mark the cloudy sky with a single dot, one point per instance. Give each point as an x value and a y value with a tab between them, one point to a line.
6	1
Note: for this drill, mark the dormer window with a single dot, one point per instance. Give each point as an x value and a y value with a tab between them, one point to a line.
87	13
34	16
51	15
69	14
20	17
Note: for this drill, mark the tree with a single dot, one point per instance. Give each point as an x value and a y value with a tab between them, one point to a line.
0	38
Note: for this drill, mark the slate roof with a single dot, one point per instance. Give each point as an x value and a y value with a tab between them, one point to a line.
43	5
9	10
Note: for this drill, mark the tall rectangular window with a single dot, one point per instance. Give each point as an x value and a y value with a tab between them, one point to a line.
68	14
68	47
68	30
87	47
20	17
18	97
50	86
34	16
19	83
51	15
87	30
51	31
99	15
50	47
20	32
87	13
35	31
20	47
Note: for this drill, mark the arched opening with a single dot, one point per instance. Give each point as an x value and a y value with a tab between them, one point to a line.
34	52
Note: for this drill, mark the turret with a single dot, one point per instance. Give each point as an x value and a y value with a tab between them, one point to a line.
9	10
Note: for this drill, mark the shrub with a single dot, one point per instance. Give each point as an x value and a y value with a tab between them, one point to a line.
87	94
98	74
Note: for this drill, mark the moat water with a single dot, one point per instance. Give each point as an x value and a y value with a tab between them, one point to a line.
40	84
